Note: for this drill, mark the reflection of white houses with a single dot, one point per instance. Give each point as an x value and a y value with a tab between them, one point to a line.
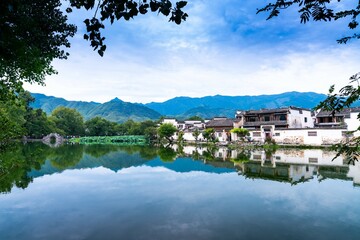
298	165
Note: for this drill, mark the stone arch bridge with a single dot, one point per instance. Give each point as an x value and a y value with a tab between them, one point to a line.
58	139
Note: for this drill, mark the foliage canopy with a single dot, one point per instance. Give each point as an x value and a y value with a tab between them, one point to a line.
32	35
318	10
166	130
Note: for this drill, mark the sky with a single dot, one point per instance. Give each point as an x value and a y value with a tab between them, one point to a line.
224	48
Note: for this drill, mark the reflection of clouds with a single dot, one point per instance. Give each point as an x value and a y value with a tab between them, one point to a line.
139	202
305	200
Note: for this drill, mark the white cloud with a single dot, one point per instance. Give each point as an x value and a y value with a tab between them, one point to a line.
219	50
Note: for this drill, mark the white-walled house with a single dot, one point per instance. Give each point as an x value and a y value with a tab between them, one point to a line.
263	123
187	127
289	117
172	121
222	127
345	119
289	125
297	126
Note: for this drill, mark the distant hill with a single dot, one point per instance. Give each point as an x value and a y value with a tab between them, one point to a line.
49	103
224	105
114	110
120	111
207	113
180	107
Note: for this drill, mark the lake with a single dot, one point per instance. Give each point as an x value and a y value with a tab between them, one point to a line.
140	192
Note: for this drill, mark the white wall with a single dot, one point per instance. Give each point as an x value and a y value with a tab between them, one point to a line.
297	119
170	120
301	136
308	156
352	122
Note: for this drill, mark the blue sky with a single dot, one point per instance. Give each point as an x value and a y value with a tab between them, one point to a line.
223	48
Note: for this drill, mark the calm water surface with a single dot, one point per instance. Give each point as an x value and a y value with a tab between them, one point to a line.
113	192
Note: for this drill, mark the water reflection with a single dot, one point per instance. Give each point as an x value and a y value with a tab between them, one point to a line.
16	162
288	165
21	163
114	192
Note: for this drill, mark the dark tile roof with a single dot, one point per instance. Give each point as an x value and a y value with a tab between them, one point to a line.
220	123
273	110
345	112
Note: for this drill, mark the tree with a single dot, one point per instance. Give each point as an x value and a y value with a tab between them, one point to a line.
195	118
240	132
99	127
11	120
180	139
37	124
323	10
196	134
68	120
32	35
166	130
335	102
209	134
10	126
317	10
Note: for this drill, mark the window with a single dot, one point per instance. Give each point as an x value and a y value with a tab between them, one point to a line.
312	133
300	111
266	118
313	160
251	119
305	119
277	134
256	134
278	158
282	117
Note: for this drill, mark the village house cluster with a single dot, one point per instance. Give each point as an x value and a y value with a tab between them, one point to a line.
289	125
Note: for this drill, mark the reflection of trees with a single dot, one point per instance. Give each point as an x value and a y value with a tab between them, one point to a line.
66	156
148	152
196	155
99	150
15	163
243	156
130	149
166	154
180	150
270	150
209	154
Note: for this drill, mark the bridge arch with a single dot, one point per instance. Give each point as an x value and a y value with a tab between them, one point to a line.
58	139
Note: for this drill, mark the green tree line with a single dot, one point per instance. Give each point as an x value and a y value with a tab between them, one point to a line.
19	119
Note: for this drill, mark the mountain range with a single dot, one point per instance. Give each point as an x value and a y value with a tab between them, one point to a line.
180	107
